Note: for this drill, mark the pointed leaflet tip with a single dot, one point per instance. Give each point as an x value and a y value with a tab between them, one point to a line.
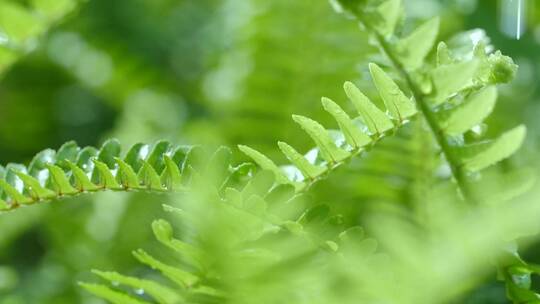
329	150
308	169
443	54
451	79
353	135
265	163
414	48
470	113
479	156
389	14
397	104
376	121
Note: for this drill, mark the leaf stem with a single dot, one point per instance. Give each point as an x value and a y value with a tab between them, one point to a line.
457	171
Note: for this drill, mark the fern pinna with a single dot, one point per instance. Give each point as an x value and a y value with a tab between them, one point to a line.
260	213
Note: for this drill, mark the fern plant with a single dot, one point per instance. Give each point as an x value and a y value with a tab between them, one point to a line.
245	223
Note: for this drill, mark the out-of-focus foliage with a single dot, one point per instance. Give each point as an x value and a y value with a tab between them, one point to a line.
21	25
232	72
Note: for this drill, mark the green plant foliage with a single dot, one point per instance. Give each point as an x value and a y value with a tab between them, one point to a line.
252	233
73	170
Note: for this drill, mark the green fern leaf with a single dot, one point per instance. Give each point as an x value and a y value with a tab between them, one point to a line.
330	152
113	296
399	106
414	48
443	54
309	170
85	159
109	152
14	194
38	163
104	177
164	234
149	177
61	181
136	155
376	121
126	176
177	275
155	159
218	166
451	79
353	135
265	163
171	176
35	188
482	155
67	152
470	113
389	14
255	205
82	182
161	293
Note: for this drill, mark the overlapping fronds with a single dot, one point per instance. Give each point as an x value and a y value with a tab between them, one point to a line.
454	94
354	136
21	25
241	224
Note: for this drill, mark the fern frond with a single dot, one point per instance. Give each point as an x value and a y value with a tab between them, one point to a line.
453	95
245	215
73	170
438	88
335	147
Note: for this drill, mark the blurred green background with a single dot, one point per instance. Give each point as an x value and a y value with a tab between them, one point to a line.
194	72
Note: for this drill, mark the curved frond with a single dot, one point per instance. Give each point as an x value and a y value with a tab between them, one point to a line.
73	170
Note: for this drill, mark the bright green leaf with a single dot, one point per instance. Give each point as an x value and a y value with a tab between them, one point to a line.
470	113
149	177
35	187
482	155
414	48
161	293
265	163
82	181
451	79
308	170
376	121
177	275
353	135
104	176
126	176
389	14
113	296
155	158
164	234
171	176
322	139
398	105
60	180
